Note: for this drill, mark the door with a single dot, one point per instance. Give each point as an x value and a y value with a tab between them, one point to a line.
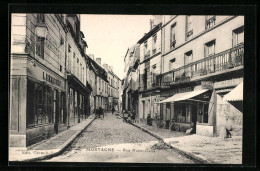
194	117
143	109
56	111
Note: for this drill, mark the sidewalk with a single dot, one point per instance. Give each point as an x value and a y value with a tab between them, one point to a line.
50	147
207	150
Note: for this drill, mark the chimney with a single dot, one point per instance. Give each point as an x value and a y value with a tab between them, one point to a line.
105	66
91	56
151	24
98	60
157	19
110	68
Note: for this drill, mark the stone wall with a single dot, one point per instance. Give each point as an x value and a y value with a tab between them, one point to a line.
228	116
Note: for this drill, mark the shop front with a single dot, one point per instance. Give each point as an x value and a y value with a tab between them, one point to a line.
193	109
79	105
37	105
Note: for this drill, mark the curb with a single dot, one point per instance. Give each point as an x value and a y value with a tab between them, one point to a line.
63	147
191	156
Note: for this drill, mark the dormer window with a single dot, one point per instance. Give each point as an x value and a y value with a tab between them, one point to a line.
210	21
40	18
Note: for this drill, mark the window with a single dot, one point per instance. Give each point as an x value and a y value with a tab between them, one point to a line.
188	57
40	47
153	75
238	36
189	27
69	48
210	21
99	84
171	63
145	78
209	48
41	18
173	40
203	112
40	104
154	43
145	48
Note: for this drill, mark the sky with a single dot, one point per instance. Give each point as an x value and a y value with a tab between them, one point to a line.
109	36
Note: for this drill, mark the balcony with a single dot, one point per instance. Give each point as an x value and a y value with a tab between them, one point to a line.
223	61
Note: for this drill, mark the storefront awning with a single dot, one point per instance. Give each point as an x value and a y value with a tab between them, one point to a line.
236	94
78	85
183	96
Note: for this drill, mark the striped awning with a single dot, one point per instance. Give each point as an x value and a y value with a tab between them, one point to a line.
183	96
236	94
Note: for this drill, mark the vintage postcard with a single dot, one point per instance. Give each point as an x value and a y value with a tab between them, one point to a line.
126	88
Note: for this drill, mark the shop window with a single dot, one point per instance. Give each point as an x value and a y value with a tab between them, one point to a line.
188	113
202	116
173	40
39	104
238	36
40	47
209	48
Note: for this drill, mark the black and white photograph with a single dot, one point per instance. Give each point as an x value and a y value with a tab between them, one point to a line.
121	88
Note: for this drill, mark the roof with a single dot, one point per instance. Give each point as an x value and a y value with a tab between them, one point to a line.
150	33
183	96
236	94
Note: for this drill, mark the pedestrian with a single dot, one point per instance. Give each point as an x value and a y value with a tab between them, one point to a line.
133	115
101	112
113	110
149	120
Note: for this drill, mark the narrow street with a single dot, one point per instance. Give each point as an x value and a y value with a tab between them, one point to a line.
112	140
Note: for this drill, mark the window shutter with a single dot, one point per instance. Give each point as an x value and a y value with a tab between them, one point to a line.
233	39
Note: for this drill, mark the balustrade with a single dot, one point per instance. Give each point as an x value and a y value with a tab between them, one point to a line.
225	60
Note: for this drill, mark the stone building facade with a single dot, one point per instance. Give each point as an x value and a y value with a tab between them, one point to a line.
48	87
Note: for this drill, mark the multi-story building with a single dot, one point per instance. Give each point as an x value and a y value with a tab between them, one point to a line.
47	79
202	59
187	64
78	87
112	88
98	79
131	82
150	68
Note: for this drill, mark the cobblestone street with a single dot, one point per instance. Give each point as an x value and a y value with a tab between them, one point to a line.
112	140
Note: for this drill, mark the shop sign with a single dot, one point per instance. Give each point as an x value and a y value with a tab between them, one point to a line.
228	83
207	84
51	79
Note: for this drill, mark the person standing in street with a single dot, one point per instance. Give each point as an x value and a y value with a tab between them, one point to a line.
113	110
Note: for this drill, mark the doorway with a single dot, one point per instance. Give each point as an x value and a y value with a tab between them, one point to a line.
56	111
194	117
143	109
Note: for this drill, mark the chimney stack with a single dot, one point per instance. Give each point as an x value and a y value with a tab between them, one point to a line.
105	66
151	24
110	68
91	56
98	60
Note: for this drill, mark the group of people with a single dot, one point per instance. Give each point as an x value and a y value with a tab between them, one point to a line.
100	111
129	115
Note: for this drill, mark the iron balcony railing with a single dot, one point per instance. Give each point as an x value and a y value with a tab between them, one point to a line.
225	60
